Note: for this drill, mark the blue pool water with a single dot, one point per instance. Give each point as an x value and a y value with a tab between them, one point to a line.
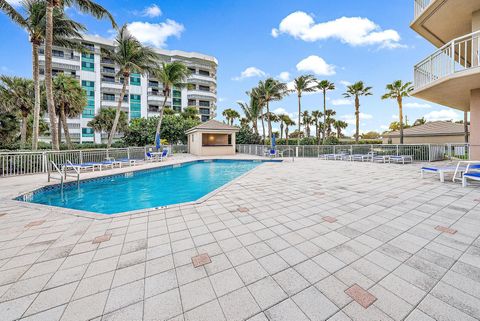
143	189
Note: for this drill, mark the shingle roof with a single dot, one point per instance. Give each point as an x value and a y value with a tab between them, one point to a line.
434	128
213	125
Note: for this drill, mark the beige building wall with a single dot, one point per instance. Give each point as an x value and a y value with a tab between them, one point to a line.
427	140
195	144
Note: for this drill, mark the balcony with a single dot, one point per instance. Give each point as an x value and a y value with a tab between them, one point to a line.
440	21
448	75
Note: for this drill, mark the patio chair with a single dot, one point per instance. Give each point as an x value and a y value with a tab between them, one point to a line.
401	159
163	155
381	159
149	157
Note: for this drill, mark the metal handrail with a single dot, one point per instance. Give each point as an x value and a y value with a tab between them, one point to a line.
60	178
77	171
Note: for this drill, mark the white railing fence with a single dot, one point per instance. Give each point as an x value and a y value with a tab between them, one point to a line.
458	55
420	6
23	163
420	152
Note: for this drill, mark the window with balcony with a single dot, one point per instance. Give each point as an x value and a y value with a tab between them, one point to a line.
108	70
204	103
204	111
109	79
88	46
205	118
192	70
88	66
152	83
58	53
203	88
108	97
192	102
153	108
203	72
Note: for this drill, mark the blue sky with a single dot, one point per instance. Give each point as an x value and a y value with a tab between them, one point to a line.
342	41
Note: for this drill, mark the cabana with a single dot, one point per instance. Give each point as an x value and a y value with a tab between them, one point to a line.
212	138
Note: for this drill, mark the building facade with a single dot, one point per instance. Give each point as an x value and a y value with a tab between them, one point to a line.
450	76
144	98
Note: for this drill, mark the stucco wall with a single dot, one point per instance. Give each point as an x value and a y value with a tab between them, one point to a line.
195	146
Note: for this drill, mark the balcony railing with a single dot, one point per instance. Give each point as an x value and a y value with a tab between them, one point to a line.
420	6
456	56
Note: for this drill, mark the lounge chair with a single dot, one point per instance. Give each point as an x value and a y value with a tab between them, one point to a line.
112	163
129	161
402	159
79	167
470	175
381	159
361	157
441	171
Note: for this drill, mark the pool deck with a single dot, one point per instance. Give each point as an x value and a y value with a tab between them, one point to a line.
292	241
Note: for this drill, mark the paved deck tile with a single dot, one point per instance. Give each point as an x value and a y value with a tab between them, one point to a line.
286	242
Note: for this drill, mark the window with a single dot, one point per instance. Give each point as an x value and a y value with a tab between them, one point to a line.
192	70
177	94
205	118
88	46
177	102
152	83
87	132
57	53
204	111
135	106
204	103
88	66
177	109
108	97
109	70
203	72
203	88
89	110
110	79
192	102
229	139
135	80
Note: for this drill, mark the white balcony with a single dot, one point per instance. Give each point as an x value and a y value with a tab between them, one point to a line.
202	94
448	75
441	21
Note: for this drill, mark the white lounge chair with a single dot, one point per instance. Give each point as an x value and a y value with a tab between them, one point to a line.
441	171
381	159
402	159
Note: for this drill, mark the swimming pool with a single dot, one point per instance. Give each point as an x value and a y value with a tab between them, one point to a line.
143	189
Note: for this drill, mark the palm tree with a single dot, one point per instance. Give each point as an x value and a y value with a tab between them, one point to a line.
283	119
465	126
355	91
256	94
329	120
17	96
398	90
130	56
271	90
70	99
35	24
252	111
230	115
103	121
288	122
325	86
316	116
190	113
304	83
171	75
306	121
339	125
85	6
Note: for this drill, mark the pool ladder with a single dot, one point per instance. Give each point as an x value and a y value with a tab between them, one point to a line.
62	173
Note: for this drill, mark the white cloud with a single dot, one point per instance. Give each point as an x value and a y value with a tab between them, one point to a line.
249	73
155	34
316	65
280	111
152	11
345	83
342	102
355	31
444	114
417	105
284	76
350	118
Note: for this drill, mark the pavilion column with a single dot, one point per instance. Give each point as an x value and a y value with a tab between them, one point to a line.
475	124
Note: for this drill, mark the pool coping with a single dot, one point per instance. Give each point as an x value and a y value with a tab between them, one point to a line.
100	216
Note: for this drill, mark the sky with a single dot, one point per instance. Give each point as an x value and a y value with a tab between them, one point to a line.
342	41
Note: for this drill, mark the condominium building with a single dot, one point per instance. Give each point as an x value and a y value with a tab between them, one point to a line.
144	98
450	76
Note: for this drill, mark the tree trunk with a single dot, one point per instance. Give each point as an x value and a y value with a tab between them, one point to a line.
36	110
269	122
299	112
263	128
400	116
281	130
465	125
160	118
286	134
255	126
23	134
48	76
357	119
324	114
59	130
117	111
66	132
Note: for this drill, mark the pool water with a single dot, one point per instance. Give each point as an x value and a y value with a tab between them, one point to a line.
143	189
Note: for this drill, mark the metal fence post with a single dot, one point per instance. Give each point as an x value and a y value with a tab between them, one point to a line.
81	157
296	151
128	152
397	149
44	162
